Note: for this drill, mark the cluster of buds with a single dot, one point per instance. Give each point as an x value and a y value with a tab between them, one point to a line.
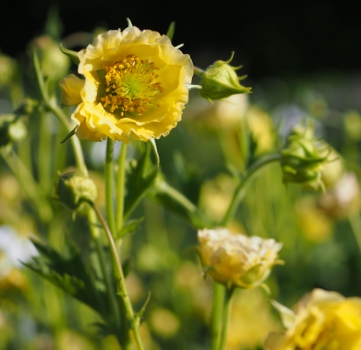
303	157
236	260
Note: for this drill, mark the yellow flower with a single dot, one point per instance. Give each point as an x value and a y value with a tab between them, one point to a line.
235	259
322	320
135	86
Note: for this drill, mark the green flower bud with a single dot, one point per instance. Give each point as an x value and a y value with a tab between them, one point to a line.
220	81
75	189
12	129
303	156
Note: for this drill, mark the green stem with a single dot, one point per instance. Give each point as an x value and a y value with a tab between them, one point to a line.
44	154
225	318
109	188
120	189
355	223
54	108
240	191
134	319
92	219
216	316
198	71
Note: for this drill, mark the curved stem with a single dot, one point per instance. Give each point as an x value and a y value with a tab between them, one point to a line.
51	105
355	223
120	189
240	191
216	316
225	318
134	319
109	188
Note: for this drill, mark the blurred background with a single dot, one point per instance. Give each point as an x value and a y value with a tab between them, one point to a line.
302	60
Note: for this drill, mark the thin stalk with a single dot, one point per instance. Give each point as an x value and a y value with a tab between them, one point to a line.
44	154
134	319
109	188
240	191
216	316
198	71
92	219
54	108
225	318
120	188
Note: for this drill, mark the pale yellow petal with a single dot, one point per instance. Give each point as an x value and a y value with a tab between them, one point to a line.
71	86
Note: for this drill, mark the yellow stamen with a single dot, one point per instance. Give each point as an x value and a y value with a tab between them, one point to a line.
131	86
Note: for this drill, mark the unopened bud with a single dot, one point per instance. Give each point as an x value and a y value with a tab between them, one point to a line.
303	156
75	189
12	129
220	80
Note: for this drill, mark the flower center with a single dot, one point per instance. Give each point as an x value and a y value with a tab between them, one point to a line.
130	86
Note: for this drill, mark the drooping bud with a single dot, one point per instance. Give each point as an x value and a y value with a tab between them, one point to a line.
303	156
12	129
220	80
75	189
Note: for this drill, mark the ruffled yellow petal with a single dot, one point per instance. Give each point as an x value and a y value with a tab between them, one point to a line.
71	86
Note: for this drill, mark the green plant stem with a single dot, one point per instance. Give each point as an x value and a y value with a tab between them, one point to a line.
355	223
109	188
44	154
92	219
32	190
119	215
54	108
198	71
134	319
216	316
240	191
225	317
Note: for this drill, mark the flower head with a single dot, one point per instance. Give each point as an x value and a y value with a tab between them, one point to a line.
322	320
235	259
135	86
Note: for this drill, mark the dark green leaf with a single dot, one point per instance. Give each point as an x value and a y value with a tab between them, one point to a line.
72	54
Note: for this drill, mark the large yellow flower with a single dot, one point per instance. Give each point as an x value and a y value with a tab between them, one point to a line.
322	320
135	86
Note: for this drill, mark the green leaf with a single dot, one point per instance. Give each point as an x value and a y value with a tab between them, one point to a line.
70	275
155	151
141	175
72	54
129	227
170	32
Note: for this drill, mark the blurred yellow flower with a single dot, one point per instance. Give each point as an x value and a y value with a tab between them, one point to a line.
235	259
134	87
322	320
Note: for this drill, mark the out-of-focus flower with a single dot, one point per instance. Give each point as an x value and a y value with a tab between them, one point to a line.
303	156
314	224
322	320
135	86
74	189
220	80
164	323
250	312
333	170
235	259
343	199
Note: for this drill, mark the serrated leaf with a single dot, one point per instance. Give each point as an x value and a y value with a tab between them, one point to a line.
70	275
72	54
141	176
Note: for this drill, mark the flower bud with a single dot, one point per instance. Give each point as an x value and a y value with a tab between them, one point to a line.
74	189
7	70
220	81
235	259
12	129
303	156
